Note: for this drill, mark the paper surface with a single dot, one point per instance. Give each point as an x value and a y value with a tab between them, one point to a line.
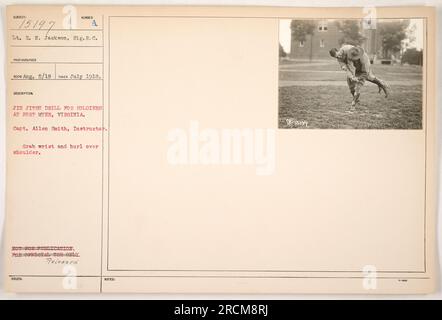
159	149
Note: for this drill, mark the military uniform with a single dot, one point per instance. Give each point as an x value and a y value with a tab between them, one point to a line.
355	61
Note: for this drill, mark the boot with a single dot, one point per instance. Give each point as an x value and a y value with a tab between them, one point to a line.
382	85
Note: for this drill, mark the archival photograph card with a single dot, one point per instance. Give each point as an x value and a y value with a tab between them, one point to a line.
220	149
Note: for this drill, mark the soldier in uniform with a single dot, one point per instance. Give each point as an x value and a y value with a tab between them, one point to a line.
355	61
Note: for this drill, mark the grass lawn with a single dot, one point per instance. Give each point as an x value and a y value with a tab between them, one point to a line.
327	106
332	71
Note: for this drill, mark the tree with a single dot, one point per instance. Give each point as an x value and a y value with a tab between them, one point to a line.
351	30
413	56
392	33
282	52
301	29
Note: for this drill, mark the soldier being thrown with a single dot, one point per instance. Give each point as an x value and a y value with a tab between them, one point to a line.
356	63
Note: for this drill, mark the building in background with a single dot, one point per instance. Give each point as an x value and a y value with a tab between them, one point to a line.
325	36
312	39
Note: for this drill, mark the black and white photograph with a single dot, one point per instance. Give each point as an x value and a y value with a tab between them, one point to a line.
351	74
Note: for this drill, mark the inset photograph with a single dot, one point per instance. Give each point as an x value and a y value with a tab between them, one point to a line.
351	74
